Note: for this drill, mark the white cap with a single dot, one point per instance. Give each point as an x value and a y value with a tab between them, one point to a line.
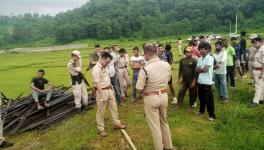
76	53
252	36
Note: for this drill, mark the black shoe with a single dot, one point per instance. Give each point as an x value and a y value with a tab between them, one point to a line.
88	107
79	111
252	105
6	144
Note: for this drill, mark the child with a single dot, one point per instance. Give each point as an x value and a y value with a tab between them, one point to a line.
187	78
205	80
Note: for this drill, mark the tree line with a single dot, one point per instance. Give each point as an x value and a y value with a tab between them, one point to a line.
110	19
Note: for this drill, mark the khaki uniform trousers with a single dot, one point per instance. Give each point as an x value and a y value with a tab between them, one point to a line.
2	139
156	114
250	67
110	102
180	49
259	87
80	94
124	80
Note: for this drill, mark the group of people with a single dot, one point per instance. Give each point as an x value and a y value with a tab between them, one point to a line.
199	69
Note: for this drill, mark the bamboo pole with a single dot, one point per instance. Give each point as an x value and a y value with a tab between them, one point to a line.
128	139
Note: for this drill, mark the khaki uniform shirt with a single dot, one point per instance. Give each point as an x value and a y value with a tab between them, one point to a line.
101	75
157	77
252	54
259	57
121	62
74	68
94	58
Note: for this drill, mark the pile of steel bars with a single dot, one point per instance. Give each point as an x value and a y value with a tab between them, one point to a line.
22	114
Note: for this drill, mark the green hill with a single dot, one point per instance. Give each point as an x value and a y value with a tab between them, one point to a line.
110	19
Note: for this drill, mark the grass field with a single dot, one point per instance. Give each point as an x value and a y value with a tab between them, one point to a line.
237	127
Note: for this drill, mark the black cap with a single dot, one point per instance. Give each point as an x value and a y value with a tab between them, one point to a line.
243	33
256	39
122	50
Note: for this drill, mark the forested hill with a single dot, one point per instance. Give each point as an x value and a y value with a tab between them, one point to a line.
107	19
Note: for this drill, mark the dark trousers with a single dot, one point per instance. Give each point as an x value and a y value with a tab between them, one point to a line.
192	93
230	75
206	98
171	87
135	77
116	85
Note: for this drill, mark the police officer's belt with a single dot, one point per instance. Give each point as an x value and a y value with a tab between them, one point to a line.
77	79
153	93
105	88
257	68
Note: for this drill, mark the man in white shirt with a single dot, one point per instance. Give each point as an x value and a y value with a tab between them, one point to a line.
205	80
220	72
136	62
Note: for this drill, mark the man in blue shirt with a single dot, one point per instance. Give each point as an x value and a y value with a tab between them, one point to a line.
238	65
169	59
205	80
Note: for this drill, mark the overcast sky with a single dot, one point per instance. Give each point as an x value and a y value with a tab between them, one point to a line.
51	7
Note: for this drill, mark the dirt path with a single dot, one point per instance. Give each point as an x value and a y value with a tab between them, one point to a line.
45	49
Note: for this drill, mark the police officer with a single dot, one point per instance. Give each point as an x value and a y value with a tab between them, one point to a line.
251	58
154	87
3	142
258	71
105	94
79	83
94	57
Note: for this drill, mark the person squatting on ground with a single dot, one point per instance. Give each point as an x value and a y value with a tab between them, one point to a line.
39	91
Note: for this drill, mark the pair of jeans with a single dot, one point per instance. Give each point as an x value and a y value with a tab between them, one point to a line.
116	85
135	77
206	98
36	95
230	75
220	84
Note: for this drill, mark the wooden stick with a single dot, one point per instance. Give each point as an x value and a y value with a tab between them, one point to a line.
128	139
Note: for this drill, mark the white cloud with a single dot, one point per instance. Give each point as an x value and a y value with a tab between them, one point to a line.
52	7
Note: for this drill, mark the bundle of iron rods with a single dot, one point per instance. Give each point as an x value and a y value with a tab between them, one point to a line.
22	114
